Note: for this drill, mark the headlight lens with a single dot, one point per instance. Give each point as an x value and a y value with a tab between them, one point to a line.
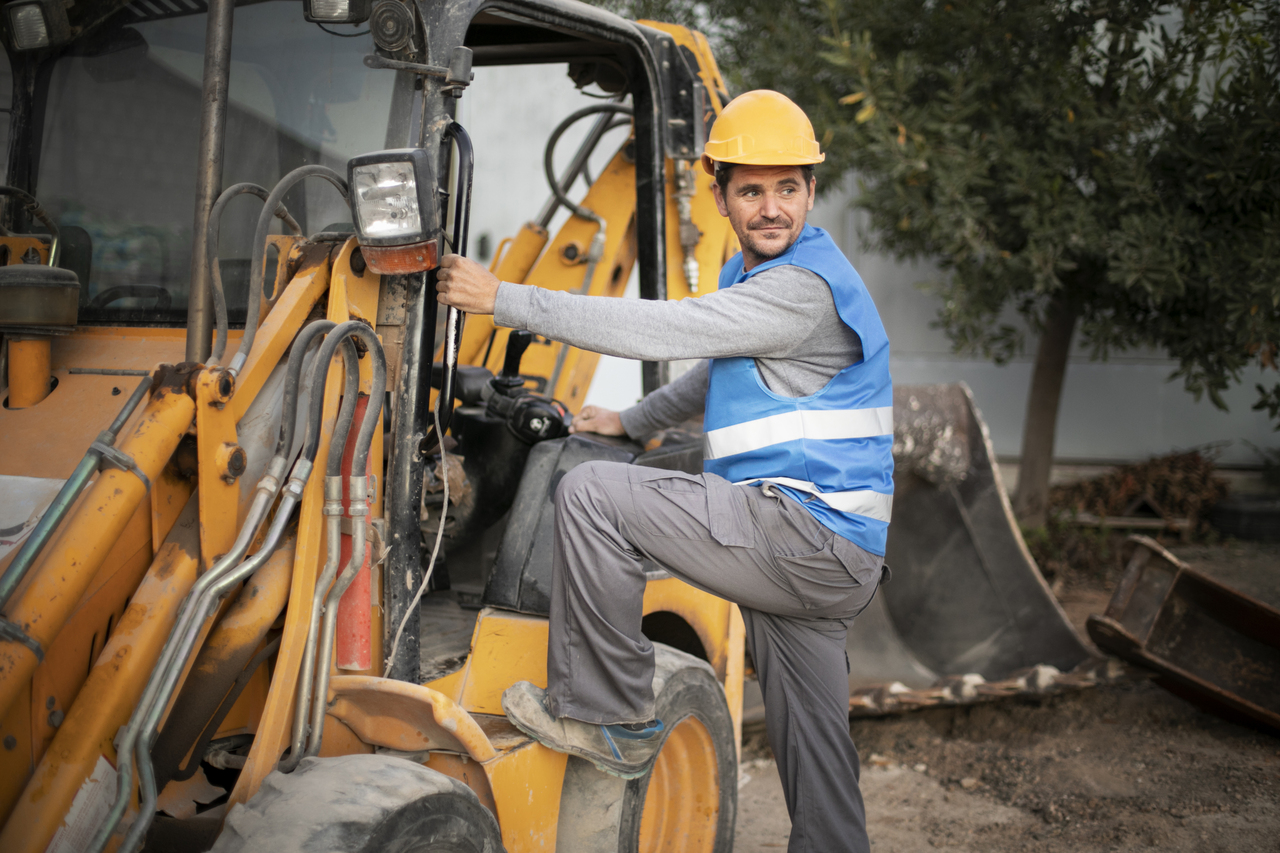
386	200
336	11
29	29
330	10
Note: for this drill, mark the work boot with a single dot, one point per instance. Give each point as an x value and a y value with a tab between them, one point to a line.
625	750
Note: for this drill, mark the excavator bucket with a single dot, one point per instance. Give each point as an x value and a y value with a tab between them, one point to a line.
966	614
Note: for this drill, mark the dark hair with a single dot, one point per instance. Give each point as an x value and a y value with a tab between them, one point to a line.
724	171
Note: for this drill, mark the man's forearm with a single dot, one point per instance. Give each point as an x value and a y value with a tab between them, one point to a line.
669	405
717	325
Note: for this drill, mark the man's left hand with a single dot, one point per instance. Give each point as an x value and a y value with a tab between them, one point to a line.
466	285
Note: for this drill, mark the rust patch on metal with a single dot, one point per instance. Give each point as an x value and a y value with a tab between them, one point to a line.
175	379
306	255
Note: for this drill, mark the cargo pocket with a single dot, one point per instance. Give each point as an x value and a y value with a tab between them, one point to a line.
706	501
730	519
819	580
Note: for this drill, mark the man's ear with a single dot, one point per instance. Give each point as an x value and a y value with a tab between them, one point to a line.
813	190
718	195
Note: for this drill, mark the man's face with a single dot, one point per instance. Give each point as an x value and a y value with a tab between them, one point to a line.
766	206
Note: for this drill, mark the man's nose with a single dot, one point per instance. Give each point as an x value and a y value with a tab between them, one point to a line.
769	206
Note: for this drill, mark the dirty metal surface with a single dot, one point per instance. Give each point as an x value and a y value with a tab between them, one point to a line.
1207	640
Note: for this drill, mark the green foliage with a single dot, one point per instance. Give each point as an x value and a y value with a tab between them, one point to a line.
1121	154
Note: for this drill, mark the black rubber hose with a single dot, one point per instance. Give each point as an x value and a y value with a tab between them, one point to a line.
259	246
346	413
377	393
351	328
548	158
293	381
215	266
586	172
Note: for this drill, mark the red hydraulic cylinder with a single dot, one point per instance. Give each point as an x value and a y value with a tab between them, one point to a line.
353	645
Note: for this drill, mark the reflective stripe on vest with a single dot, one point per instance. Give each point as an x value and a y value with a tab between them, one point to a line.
788	426
860	502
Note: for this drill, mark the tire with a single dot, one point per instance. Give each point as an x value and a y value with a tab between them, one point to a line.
688	801
360	804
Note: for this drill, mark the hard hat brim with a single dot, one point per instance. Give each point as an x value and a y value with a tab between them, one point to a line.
758	159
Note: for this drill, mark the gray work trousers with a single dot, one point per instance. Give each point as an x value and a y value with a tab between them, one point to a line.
798	586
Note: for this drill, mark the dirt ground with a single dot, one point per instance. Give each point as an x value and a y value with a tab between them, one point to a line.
1127	766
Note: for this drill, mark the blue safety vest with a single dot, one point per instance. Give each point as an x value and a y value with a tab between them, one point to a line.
832	451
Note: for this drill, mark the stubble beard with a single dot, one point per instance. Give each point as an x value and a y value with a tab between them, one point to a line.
767	251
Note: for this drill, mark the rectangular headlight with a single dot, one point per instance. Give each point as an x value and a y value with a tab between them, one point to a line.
385	196
337	11
36	24
395	209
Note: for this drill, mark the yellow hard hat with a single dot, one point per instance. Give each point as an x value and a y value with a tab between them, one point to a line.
761	128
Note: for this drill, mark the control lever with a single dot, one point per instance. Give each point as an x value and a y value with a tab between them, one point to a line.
509	382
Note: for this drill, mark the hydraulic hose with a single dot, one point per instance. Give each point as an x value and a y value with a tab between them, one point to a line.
204	609
333	535
215	266
293	379
259	248
139	735
358	499
347	411
596	250
307	670
357	329
163	678
548	158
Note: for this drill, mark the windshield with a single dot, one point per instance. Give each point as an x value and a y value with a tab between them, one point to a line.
121	133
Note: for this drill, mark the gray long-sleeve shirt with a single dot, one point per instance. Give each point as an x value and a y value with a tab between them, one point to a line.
785	318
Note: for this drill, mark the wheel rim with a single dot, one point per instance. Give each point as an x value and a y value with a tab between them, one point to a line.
682	804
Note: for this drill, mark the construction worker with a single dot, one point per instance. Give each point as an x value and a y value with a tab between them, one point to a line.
790	517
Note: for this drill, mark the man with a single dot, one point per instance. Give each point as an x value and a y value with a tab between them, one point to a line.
788	520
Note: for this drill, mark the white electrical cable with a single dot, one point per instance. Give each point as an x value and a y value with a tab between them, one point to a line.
431	564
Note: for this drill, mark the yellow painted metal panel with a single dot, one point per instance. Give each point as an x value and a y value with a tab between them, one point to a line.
505	648
278	329
276	724
527	783
16	764
108	696
71	561
29	371
53	436
68	660
215	441
514	266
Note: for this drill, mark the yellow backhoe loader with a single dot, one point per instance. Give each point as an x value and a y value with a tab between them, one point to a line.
208	642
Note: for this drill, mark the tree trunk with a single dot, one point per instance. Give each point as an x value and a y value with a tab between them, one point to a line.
1032	499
